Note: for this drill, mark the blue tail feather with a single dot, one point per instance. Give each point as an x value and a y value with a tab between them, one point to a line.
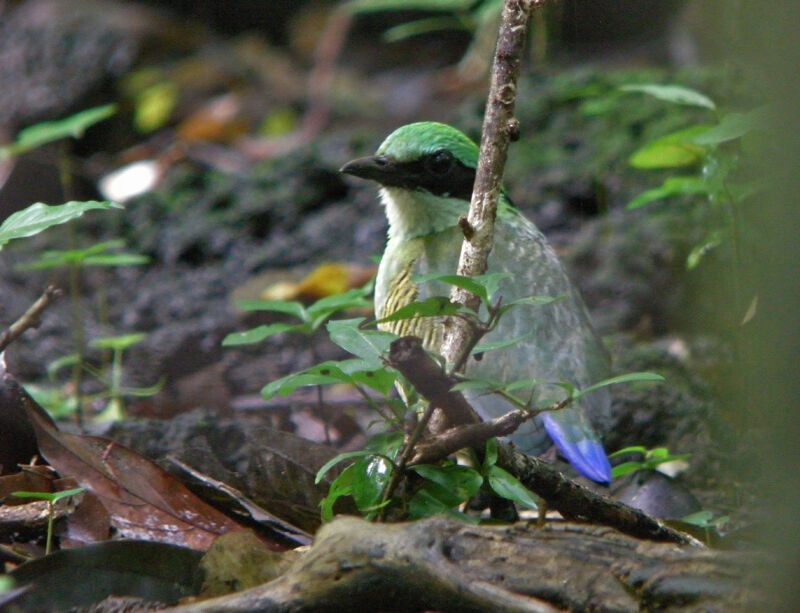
585	454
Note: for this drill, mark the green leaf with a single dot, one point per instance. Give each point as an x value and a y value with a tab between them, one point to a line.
91	256
482	386
730	127
119	343
117	260
490	459
276	306
672	151
628	378
422	26
629	451
322	309
673	186
373	6
507	486
49	131
461	482
673	93
342	457
698	252
341	486
486	347
50	496
369	345
704	519
321	374
436	306
38	217
381	380
530	300
370	476
262	332
470	284
626	468
492	280
428	501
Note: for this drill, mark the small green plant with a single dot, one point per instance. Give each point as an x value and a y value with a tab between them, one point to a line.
711	150
45	132
109	374
38	217
651	459
51	499
371	479
76	261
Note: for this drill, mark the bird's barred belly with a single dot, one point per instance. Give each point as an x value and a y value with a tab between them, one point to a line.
403	292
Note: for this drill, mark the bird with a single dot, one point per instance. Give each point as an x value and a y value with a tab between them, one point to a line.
426	172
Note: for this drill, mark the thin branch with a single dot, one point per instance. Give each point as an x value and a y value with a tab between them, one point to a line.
31	318
575	501
499	128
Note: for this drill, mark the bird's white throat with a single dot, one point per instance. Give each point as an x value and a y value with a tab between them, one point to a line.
412	214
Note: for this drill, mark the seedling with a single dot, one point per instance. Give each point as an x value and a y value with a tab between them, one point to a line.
51	498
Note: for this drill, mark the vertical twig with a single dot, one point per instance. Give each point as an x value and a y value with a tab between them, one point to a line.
499	128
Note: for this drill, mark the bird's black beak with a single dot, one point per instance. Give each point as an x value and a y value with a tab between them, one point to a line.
375	168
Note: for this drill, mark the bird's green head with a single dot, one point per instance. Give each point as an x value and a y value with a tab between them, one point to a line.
426	156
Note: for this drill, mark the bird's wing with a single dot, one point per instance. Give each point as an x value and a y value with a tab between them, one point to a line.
556	341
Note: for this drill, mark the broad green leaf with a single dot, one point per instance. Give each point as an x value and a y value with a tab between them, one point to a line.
428	502
276	306
673	93
369	345
370	477
321	374
382	380
626	468
49	131
342	457
38	217
436	306
673	186
263	332
486	347
628	378
730	127
467	283
461	482
491	281
659	453
386	443
672	151
507	486
322	309
341	486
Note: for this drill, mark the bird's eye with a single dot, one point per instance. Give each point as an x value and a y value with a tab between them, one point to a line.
440	163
